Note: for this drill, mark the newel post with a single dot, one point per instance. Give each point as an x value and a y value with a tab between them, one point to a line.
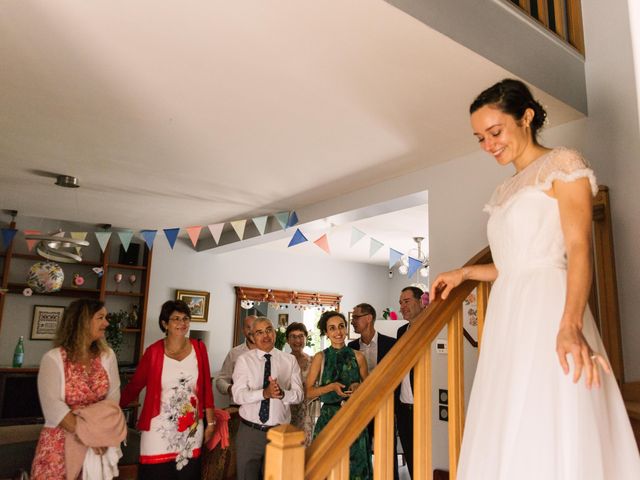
284	457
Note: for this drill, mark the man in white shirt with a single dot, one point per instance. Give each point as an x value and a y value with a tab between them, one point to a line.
224	376
373	345
266	381
410	307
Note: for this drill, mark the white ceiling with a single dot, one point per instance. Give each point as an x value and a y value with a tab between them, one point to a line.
182	113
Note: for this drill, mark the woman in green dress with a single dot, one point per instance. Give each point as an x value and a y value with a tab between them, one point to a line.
341	370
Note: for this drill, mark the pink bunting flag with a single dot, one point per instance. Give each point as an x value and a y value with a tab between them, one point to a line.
323	243
216	231
194	233
31	243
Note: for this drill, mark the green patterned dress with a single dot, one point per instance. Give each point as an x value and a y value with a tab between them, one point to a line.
341	366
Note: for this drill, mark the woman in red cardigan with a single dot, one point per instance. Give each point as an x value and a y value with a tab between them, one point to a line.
177	414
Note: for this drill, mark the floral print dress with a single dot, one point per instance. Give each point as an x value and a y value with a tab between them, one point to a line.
175	434
83	386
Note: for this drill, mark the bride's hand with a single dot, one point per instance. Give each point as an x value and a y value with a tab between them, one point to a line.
570	340
445	282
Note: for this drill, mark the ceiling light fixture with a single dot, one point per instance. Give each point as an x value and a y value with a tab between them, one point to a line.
57	248
67	181
423	271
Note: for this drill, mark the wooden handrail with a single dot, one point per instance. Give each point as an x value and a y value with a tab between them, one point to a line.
328	448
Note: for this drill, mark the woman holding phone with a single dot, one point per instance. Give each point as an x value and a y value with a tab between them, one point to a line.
339	371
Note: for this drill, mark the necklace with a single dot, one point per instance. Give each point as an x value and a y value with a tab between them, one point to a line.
175	352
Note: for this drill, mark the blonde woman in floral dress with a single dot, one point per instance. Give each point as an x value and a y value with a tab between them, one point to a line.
80	371
177	415
304	414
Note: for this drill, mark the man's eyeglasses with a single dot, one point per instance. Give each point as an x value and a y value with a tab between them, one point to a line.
354	316
262	333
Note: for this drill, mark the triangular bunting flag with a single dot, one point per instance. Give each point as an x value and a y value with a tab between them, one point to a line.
172	235
374	246
125	238
216	231
323	243
414	265
194	233
31	243
394	257
78	236
283	218
103	239
238	226
293	220
356	235
297	238
7	236
260	223
149	237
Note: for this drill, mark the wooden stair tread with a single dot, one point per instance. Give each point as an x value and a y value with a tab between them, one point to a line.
633	408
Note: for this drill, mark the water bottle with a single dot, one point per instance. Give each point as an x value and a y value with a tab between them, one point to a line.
18	353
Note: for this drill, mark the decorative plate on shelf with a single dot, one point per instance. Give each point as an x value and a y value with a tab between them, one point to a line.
45	277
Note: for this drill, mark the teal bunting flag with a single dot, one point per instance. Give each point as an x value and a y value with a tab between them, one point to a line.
356	236
394	257
283	218
103	239
125	238
297	238
172	235
374	246
260	223
149	236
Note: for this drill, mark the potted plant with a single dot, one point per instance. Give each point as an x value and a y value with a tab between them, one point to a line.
113	334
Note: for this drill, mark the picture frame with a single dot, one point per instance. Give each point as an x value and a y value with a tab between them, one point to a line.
45	322
198	303
283	320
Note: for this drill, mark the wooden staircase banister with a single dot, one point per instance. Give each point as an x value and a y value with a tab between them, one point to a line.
328	448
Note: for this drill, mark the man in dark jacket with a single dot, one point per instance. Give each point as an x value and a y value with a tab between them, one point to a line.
374	346
410	307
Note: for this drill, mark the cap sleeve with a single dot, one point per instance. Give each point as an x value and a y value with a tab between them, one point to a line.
565	165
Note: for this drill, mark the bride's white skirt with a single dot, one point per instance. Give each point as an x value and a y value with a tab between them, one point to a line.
527	420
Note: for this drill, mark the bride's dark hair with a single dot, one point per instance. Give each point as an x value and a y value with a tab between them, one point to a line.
512	97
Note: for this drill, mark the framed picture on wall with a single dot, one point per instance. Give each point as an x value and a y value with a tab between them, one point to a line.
198	303
45	322
283	320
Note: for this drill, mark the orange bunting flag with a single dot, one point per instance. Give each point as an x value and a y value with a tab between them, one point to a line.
194	233
323	243
31	243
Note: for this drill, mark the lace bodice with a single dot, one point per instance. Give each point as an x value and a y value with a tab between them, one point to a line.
558	164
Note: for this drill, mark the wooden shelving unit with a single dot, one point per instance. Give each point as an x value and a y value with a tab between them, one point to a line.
139	297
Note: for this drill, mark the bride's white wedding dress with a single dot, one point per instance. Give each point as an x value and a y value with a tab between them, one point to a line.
526	419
